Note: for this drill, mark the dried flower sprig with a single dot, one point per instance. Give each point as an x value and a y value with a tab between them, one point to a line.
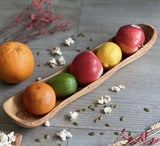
152	141
37	19
144	136
139	140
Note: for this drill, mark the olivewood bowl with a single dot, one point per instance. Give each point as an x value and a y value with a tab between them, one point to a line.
15	109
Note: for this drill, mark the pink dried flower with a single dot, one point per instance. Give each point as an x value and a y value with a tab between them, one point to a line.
40	10
68	23
26	42
16	19
35	3
42	31
50	3
142	137
125	138
28	27
41	24
146	135
60	18
123	131
32	16
46	2
154	140
38	19
132	140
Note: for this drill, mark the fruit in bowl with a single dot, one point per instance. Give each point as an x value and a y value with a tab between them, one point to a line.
64	84
130	38
39	98
86	68
109	54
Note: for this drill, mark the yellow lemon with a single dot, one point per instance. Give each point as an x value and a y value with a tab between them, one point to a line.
109	54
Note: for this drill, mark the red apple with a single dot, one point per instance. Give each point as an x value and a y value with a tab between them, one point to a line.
130	39
86	68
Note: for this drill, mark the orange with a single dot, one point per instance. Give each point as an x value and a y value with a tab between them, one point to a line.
39	98
16	62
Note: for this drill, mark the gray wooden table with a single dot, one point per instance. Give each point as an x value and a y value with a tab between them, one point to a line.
97	19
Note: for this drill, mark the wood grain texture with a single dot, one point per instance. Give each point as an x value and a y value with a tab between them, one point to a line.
99	20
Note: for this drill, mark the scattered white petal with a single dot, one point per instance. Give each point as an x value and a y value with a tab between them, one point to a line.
69	42
47	124
107	110
73	115
52	62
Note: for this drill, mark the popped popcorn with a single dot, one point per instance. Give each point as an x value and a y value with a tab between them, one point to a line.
107	99
3	138
52	62
7	139
39	78
56	51
100	100
11	137
64	134
47	124
117	88
107	110
61	60
121	86
73	115
103	100
69	42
